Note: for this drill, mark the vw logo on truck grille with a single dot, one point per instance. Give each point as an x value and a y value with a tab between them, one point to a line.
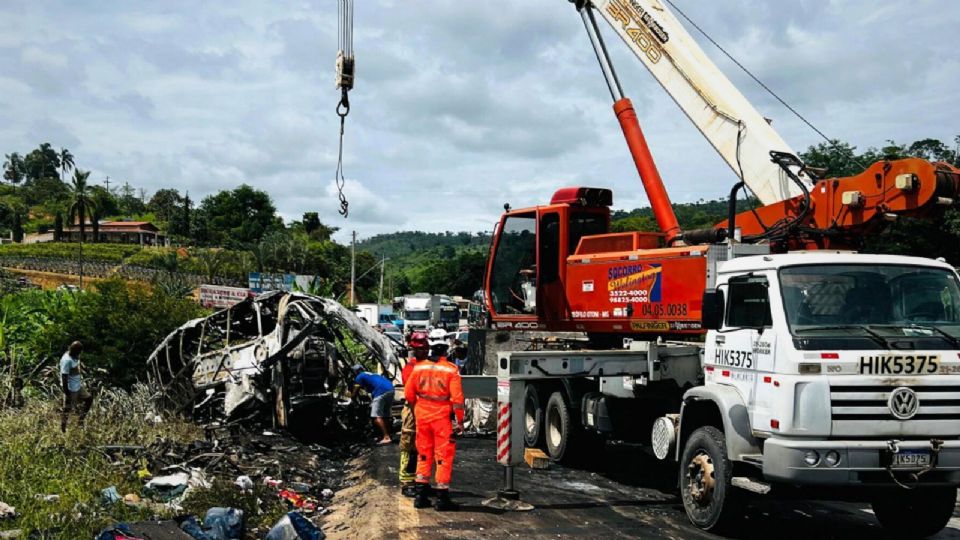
903	403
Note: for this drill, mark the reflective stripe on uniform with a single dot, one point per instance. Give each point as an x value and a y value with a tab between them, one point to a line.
422	366
438	399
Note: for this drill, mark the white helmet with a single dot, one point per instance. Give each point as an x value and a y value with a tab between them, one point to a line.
437	336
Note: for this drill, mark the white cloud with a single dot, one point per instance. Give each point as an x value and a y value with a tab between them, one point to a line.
458	107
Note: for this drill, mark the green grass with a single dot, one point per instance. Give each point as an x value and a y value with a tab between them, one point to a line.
36	459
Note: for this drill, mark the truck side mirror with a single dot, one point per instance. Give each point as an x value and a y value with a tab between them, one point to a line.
713	307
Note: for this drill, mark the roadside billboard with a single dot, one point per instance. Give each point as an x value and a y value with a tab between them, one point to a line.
263	282
259	283
220	297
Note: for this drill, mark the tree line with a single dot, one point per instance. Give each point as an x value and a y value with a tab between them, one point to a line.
43	189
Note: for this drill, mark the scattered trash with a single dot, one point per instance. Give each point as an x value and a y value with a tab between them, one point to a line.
120	531
167	488
110	496
47	498
224	523
244	482
294	526
7	511
131	499
299	501
10	534
271	483
327	493
143	472
300	487
191	526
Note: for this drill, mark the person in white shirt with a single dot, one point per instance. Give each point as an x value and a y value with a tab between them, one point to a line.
74	393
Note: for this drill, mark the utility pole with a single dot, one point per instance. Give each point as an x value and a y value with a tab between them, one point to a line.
107	182
383	265
353	268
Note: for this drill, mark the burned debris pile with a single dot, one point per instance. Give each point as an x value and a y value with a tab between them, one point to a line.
281	356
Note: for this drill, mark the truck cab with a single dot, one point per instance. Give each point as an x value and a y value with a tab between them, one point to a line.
416	312
832	370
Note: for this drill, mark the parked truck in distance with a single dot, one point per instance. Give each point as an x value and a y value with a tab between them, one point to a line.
447	313
416	312
375	314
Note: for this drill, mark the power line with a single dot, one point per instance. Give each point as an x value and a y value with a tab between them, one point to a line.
747	71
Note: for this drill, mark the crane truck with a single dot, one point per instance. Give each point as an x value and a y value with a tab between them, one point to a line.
764	354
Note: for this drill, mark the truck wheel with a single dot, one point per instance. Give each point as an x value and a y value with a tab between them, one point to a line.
711	501
532	417
558	428
916	514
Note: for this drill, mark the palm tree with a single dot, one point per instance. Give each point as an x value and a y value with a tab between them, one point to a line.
81	205
13	168
212	261
66	162
46	150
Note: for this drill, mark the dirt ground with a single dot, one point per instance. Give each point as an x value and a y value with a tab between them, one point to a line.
625	496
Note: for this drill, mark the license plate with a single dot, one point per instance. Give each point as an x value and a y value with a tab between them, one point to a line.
909	460
900	364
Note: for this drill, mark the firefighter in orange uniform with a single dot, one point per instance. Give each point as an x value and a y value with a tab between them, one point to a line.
408	430
436	392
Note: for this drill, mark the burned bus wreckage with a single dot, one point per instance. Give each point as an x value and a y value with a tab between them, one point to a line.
281	355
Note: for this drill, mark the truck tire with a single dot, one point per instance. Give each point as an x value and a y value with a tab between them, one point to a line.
711	501
919	513
532	417
558	427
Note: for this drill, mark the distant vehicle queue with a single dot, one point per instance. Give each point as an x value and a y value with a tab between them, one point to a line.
443	318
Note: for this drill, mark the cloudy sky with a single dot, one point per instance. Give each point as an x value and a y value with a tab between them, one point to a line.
458	107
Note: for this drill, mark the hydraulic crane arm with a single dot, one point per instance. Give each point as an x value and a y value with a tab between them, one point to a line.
740	134
799	210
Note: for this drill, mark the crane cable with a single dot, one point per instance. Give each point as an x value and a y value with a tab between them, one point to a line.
345	71
748	72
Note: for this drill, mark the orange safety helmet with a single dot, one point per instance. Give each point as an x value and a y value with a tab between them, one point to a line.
418	340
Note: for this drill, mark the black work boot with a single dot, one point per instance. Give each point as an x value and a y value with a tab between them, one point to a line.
444	504
409	490
423	497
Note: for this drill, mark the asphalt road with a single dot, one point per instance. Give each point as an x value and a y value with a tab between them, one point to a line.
625	495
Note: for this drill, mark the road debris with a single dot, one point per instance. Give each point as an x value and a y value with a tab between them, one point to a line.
293	526
109	496
244	482
284	354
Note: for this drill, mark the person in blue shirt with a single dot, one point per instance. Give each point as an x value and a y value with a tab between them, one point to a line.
381	390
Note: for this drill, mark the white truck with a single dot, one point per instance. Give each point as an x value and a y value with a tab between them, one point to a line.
375	314
416	312
833	374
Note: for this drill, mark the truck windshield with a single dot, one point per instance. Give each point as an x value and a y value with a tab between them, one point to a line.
450	315
875	301
418	315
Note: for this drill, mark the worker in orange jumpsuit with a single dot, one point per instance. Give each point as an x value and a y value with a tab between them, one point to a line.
435	390
408	430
